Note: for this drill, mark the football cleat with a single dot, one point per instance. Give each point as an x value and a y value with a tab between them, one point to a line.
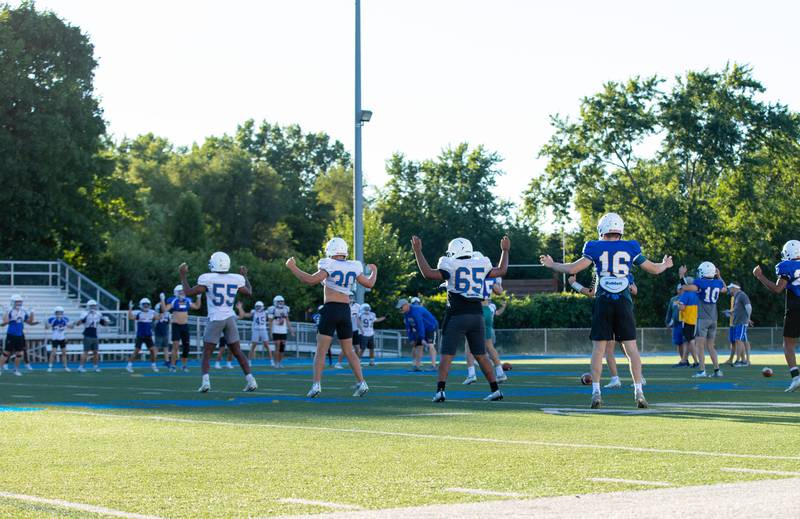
700	374
614	384
250	387
502	378
66	369
205	387
316	389
641	403
717	374
439	397
29	367
155	367
185	369
97	369
469	380
597	401
81	369
494	396
217	365
129	368
228	365
794	385
50	369
362	389
338	365
17	373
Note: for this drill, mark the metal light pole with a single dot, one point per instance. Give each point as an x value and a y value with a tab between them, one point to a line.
358	199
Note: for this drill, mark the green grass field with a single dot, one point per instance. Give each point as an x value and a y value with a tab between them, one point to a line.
149	444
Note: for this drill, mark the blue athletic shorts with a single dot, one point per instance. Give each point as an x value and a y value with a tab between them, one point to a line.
677	334
737	333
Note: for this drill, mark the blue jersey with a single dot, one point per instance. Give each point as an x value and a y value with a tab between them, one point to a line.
613	260
790	271
419	321
179	304
16	322
144	322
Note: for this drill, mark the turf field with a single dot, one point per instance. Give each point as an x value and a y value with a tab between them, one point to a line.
149	444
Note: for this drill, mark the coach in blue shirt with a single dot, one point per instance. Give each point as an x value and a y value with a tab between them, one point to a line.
421	328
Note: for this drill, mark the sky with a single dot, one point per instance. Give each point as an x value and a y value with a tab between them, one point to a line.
435	72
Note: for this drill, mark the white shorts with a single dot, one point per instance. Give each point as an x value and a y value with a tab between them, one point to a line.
260	335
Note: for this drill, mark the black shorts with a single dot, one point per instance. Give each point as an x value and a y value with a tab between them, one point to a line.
458	327
15	343
335	318
791	324
356	336
58	343
613	318
147	341
367	342
279	337
688	332
180	332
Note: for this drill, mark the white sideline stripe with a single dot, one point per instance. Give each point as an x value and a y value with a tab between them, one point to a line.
327	504
760	471
631	482
85	394
399	434
479	492
22	396
76	506
435	414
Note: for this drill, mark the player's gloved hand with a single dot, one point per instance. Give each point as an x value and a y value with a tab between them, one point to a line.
505	243
291	263
416	243
183	269
757	271
161	296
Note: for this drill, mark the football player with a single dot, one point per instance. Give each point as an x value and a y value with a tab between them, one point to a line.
788	272
709	286
366	331
59	323
16	319
221	288
612	314
281	327
178	306
161	333
339	276
91	320
465	276
259	333
144	318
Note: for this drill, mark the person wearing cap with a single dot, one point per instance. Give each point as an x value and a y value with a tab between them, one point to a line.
16	319
91	320
740	312
421	327
59	323
144	318
178	307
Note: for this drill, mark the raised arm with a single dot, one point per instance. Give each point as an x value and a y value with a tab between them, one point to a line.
246	290
566	268
240	311
189	290
502	266
502	309
777	287
369	282
309	279
164	305
424	268
656	268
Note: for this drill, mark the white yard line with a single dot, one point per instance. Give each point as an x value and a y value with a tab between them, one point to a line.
21	396
436	414
498	441
326	504
631	482
480	492
760	471
75	506
85	394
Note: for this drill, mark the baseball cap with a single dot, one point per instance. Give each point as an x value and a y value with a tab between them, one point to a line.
401	303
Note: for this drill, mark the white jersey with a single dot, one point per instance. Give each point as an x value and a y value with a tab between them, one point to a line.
260	319
342	274
221	290
367	321
355	309
465	277
280	318
59	326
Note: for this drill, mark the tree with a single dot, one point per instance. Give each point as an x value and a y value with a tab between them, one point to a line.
51	137
188	232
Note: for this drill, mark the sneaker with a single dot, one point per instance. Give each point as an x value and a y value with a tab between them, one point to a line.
695	365
129	368
362	389
737	364
717	374
614	384
316	389
794	385
469	380
185	369
338	365
17	373
494	396
50	369
155	367
502	378
81	369
66	369
272	363
217	365
745	364
597	401
251	386
700	374
641	403
28	367
172	369
228	365
439	397
97	369
205	387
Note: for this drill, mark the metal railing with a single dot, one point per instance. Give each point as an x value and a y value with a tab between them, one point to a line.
56	274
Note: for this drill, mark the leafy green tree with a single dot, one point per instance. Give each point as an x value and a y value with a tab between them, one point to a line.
186	224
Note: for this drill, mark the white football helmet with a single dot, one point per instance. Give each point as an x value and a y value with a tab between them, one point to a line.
791	250
259	305
16	300
219	262
336	247
58	310
365	308
91	304
144	302
278	300
177	290
610	223
707	270
459	248
477	255
415	300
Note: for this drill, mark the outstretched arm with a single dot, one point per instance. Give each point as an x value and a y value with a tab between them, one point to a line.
777	287
657	268
246	290
309	279
369	282
502	267
565	268
189	290
424	268
240	311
